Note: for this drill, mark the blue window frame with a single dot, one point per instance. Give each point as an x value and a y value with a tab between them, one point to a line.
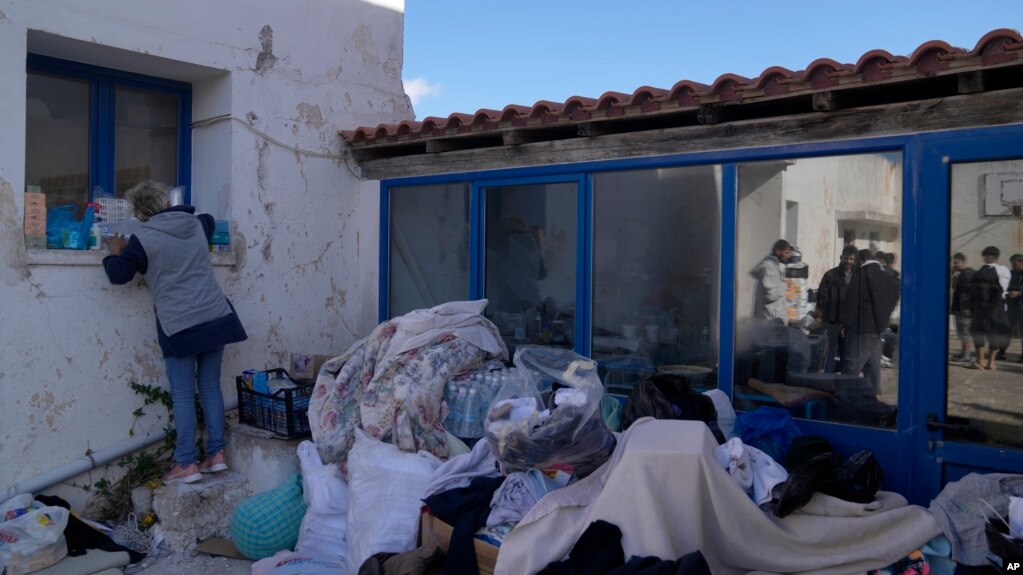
103	84
907	453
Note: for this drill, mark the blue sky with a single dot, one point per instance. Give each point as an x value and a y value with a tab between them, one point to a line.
463	55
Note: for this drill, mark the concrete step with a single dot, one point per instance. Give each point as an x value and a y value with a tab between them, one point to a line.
190	513
265	459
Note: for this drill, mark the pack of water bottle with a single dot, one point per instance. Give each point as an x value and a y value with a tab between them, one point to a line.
468	398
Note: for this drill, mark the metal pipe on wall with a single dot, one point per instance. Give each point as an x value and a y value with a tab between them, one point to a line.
85	463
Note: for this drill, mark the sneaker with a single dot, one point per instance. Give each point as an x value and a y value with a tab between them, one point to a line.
182	474
213	464
886	363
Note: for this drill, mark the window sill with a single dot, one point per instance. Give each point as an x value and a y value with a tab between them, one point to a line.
95	258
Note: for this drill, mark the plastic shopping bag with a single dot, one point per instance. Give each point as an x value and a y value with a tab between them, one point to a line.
33	537
323	528
548	417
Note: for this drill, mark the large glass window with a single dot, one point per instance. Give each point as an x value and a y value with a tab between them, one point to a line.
429	251
984	372
818	246
531	261
57	138
92	130
145	138
656	261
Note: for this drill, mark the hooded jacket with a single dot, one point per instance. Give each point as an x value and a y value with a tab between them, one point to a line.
870	299
172	250
769	294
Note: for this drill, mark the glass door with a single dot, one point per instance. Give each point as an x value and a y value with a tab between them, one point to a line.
530	259
973	417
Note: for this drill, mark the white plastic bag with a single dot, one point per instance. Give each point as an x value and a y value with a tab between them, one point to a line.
325	523
33	538
385	491
295	563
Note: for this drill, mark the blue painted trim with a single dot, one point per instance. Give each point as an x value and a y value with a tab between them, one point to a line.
105	129
584	269
477	236
726	277
103	83
384	287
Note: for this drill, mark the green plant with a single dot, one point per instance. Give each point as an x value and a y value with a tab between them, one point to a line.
142	468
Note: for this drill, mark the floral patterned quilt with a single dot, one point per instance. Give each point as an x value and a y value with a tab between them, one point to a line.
398	401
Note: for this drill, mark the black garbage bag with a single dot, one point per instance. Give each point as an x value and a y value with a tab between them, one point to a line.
1000	544
668	396
804	448
857	479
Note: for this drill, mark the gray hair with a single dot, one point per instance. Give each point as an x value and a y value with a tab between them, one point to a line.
148	198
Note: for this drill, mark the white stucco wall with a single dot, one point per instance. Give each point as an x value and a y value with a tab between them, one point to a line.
305	228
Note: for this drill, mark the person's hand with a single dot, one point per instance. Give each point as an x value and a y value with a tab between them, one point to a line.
967	313
115	244
1013	294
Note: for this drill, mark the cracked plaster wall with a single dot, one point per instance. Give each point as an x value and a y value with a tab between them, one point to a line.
305	228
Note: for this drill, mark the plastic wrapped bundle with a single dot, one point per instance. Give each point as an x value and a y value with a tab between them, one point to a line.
565	432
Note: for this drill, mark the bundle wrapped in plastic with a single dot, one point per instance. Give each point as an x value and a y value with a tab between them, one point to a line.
547	416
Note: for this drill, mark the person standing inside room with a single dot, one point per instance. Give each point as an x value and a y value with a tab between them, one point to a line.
990	323
1014	299
961	307
866	312
194	319
769	293
830	296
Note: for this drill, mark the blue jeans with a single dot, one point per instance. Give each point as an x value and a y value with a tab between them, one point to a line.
183	373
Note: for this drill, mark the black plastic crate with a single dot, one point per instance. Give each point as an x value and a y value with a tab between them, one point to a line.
283	411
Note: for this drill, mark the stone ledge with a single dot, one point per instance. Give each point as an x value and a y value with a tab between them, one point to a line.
190	513
95	258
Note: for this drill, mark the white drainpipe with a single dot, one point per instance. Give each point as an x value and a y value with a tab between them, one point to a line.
50	478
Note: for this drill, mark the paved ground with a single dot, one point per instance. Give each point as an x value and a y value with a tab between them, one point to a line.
192	564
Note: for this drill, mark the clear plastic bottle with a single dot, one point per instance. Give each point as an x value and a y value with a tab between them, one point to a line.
472	424
450	393
457	427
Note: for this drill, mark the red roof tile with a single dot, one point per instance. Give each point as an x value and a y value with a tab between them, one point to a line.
995	48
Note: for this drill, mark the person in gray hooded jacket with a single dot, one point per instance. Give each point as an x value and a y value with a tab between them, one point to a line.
194	319
769	295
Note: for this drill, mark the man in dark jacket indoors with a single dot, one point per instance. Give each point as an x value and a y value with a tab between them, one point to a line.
866	312
830	296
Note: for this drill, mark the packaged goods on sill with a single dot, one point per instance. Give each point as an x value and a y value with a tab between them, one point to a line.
113	210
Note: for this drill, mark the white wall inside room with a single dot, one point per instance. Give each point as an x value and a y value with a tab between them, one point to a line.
305	229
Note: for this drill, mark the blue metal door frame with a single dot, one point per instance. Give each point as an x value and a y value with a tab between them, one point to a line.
910	467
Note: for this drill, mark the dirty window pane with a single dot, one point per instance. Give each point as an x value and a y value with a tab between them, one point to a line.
531	262
816	333
984	310
429	246
145	138
57	138
656	257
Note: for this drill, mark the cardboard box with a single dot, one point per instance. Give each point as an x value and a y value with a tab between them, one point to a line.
34	198
306	366
433	531
35	226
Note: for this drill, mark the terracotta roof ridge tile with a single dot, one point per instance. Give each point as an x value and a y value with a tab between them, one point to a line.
996	47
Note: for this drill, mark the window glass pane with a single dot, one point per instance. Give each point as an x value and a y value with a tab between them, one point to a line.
531	261
145	139
57	138
815	332
984	295
429	246
656	257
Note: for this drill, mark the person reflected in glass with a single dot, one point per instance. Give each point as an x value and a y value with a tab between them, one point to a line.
990	323
1014	299
769	293
960	306
866	313
830	296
